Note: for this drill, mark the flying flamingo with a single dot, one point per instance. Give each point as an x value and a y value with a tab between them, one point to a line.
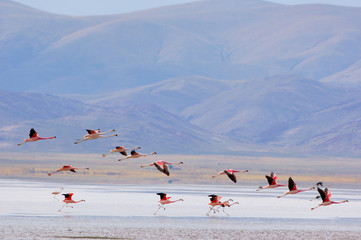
67	168
230	174
162	166
120	149
326	198
272	182
293	188
57	193
95	134
216	202
165	200
33	136
134	154
318	196
68	199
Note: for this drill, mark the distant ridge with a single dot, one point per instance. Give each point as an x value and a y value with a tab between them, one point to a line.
216	76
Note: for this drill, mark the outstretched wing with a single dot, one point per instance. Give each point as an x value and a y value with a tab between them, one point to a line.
33	133
90	131
322	193
231	176
213	197
162	167
67	195
291	184
124	153
162	195
269	179
328	194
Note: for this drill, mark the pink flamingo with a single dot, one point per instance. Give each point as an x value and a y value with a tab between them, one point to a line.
67	168
120	149
68	199
134	154
216	202
272	182
57	192
33	137
293	188
165	200
326	198
95	134
230	174
162	166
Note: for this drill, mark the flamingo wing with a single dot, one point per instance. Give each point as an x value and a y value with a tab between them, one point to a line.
231	176
124	153
68	196
90	131
72	170
328	194
33	133
322	193
213	198
162	167
269	179
163	196
291	184
133	152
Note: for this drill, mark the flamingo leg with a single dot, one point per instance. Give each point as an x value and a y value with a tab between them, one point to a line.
160	206
62	207
282	195
225	212
210	209
106	154
82	140
316	207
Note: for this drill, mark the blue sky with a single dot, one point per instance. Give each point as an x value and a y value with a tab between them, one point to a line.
100	7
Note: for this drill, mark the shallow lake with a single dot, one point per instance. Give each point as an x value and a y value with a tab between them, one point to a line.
28	209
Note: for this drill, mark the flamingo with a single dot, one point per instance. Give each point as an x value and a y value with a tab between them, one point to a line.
165	200
216	202
67	168
120	149
33	137
272	182
230	174
57	193
134	154
95	134
162	166
293	188
326	198
68	199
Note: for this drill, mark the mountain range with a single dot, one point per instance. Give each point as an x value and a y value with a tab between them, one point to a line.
207	77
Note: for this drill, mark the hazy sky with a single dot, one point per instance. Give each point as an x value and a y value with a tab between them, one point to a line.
100	7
